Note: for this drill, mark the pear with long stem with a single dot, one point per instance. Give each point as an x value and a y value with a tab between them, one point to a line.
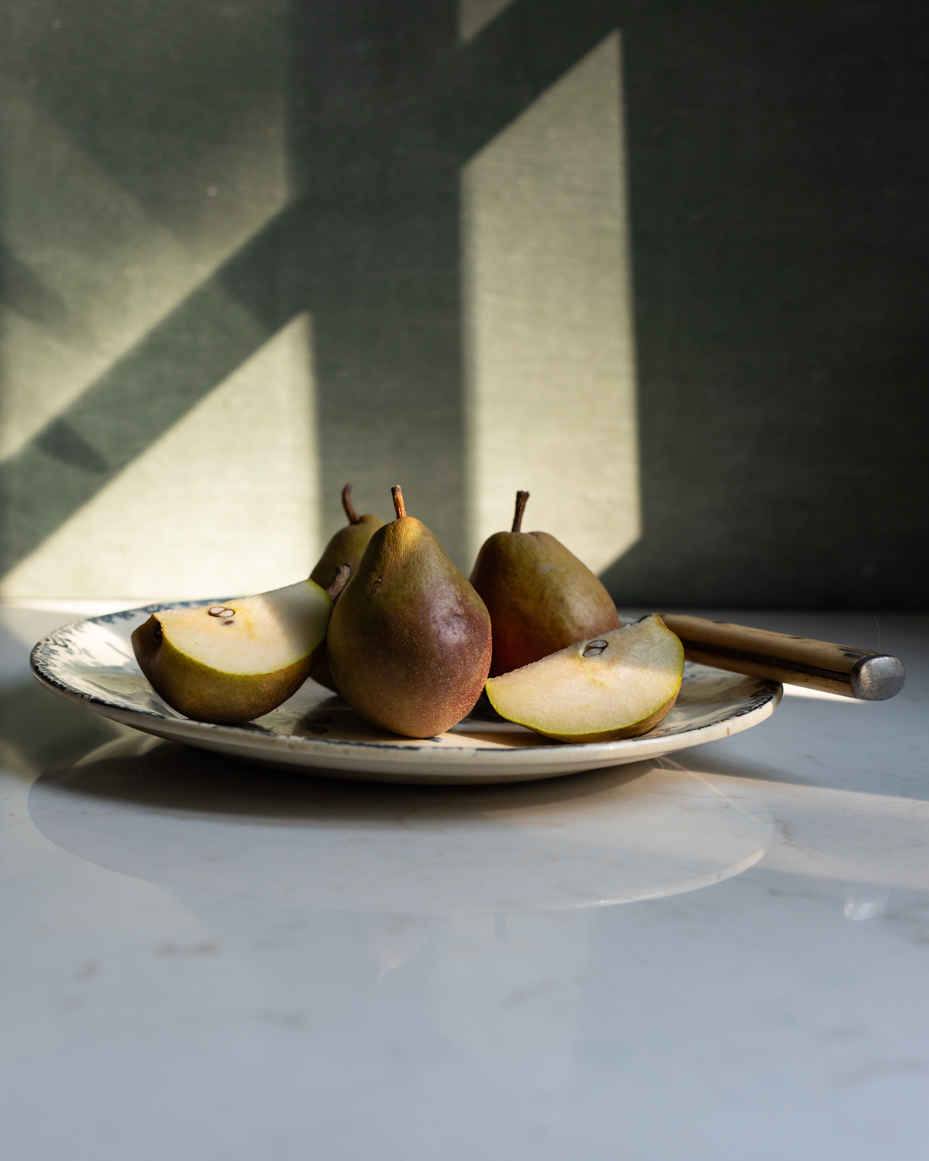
347	546
541	598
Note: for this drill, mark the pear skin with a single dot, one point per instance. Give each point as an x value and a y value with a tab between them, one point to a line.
235	661
347	546
541	598
409	642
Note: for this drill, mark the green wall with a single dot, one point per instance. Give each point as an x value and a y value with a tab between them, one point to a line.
664	264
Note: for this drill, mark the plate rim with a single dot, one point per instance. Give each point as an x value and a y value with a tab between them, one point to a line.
564	754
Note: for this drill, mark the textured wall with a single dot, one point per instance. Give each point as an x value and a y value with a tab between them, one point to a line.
779	177
662	263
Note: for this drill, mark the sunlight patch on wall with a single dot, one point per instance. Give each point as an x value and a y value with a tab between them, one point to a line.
88	270
225	503
474	14
550	366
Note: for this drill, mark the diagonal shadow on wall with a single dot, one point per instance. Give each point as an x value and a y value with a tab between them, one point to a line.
384	108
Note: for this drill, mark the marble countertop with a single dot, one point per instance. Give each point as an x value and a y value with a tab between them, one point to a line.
207	961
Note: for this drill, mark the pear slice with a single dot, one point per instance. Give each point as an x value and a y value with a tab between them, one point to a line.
617	685
234	661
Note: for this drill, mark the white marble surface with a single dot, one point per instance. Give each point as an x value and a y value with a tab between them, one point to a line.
208	961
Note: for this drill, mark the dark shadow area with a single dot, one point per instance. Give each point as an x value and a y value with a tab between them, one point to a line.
831	513
156	91
39	731
202	341
165	776
780	253
210	827
778	181
22	291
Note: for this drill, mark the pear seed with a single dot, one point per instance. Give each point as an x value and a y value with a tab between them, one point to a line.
595	648
217	610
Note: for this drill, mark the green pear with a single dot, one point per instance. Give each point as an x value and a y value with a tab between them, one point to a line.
541	598
237	660
409	641
617	685
347	546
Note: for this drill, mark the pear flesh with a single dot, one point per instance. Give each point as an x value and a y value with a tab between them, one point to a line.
409	641
617	685
236	660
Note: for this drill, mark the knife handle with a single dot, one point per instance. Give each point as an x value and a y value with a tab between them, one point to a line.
839	669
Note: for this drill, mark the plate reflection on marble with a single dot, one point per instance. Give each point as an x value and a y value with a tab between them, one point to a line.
161	812
91	663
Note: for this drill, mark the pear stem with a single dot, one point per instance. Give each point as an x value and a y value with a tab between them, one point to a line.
399	506
353	517
343	575
521	498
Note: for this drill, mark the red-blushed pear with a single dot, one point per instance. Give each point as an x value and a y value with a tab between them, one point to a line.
347	546
540	597
234	661
409	640
617	685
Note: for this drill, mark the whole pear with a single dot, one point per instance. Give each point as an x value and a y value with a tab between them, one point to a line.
541	598
238	659
347	546
409	640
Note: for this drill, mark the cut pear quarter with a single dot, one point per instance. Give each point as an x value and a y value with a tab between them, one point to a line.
233	661
617	685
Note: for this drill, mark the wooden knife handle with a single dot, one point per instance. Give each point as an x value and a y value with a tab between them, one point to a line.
798	660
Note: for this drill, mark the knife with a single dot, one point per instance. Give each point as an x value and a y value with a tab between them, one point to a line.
841	669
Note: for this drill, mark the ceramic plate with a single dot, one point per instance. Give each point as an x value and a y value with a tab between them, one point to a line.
91	663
